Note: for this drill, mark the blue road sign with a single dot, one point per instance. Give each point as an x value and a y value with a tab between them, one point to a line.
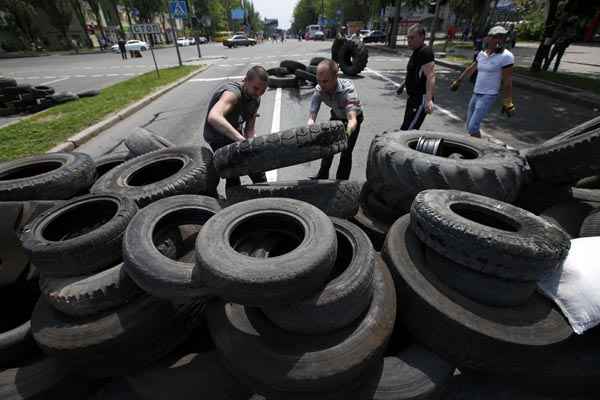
178	9
238	14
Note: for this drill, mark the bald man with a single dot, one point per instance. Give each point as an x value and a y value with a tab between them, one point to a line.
341	96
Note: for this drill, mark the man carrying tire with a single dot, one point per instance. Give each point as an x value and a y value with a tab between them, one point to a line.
232	114
420	80
341	96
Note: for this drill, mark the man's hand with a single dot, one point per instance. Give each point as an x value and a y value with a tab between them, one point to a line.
310	122
429	106
349	131
401	88
250	133
508	107
455	85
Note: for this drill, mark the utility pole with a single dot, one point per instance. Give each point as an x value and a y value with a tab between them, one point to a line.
174	30
434	23
396	20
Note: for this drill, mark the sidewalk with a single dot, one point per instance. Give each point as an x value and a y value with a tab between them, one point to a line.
563	92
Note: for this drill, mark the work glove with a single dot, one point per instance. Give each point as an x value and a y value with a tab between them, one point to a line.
508	107
400	89
455	85
349	131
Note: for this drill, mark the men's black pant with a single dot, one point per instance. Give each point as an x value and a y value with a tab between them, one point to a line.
259	177
415	113
345	165
123	54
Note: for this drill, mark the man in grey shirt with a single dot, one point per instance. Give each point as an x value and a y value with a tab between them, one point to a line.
341	96
232	113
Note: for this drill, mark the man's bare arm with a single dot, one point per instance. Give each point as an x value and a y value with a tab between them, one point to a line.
429	71
216	117
249	130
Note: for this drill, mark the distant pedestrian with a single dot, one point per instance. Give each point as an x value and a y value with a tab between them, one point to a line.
495	67
512	36
420	80
122	48
341	96
232	112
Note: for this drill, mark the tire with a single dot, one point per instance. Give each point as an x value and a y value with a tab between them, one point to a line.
64	97
503	341
591	225
141	142
481	288
157	274
567	157
80	236
88	93
292	66
375	230
160	174
307	260
568	216
334	198
335	49
414	373
281	149
42	91
113	343
346	295
110	161
7	82
287	81
16	90
53	176
278	71
33	380
488	236
252	346
306	76
587	189
397	172
353	57
13	261
538	196
316	61
377	208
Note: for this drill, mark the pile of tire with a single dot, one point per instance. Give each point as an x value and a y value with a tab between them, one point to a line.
20	98
290	74
351	55
401	164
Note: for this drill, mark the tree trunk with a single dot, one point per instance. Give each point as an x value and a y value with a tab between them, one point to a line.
434	23
395	21
549	28
118	16
81	19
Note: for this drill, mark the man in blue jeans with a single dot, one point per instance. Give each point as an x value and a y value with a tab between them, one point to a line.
494	67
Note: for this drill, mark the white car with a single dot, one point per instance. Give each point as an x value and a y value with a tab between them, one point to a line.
183	41
132	45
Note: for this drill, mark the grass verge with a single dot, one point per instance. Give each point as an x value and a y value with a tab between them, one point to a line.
43	131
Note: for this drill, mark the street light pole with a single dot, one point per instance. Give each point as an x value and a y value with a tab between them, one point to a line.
174	30
394	30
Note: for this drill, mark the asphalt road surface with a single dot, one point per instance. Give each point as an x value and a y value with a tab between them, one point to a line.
180	114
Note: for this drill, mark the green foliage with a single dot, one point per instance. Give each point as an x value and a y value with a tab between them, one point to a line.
21	16
148	8
60	13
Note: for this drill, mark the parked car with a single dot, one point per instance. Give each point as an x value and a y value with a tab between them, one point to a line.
202	40
315	35
239	40
374	37
183	41
362	33
132	45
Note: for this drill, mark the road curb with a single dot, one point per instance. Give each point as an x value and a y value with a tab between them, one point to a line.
89	133
562	92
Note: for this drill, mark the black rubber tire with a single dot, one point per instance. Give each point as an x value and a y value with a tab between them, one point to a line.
504	341
346	295
281	149
591	225
488	236
140	142
13	260
16	91
64	97
316	61
353	57
482	288
34	380
154	272
252	346
114	343
587	189
538	196
568	216
79	236
335	49
567	157
397	172
88	93
414	373
278	71
189	170
306	76
53	176
336	198
7	82
378	209
110	161
287	81
292	66
42	91
294	275
375	230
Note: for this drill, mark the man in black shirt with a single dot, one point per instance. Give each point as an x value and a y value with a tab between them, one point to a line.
420	80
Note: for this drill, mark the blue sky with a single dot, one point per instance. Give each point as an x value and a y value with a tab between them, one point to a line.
280	9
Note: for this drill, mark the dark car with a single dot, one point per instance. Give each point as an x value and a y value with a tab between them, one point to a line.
239	40
374	37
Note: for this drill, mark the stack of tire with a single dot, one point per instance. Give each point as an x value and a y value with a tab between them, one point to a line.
290	74
564	185
465	268
351	55
401	164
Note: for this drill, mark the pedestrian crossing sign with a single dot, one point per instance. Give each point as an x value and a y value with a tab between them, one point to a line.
178	9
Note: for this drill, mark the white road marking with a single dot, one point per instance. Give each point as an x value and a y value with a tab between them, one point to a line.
54	81
215	79
275	127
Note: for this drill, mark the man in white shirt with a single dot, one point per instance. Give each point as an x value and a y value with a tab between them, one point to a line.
494	67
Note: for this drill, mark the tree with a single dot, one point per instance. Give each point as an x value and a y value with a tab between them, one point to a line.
305	13
60	15
115	10
76	4
21	14
148	9
95	6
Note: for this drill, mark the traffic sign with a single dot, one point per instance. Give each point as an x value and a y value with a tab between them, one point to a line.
142	29
178	9
237	14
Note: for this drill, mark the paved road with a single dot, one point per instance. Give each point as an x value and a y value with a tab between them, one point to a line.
180	114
